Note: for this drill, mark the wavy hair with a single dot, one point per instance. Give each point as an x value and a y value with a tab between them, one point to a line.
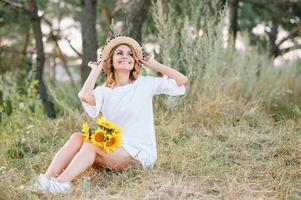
110	81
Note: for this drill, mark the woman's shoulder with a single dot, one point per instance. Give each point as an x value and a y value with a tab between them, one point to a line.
149	77
100	88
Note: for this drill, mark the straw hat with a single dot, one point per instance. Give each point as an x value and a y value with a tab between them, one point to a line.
116	41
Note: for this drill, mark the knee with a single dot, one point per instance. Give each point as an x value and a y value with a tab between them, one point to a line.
75	141
76	137
88	146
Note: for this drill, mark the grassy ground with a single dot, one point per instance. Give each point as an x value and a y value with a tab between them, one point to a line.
235	135
236	159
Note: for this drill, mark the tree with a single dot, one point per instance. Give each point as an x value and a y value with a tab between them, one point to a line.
135	14
89	37
38	69
16	53
273	15
233	15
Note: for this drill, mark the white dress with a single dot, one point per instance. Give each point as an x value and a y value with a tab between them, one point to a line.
130	106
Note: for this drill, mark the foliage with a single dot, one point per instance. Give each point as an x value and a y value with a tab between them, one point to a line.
279	14
247	79
234	135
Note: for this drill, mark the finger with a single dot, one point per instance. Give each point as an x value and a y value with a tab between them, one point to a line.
146	58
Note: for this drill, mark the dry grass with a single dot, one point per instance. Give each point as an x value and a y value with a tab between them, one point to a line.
195	161
235	134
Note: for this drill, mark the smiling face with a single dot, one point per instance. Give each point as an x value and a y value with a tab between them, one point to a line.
123	58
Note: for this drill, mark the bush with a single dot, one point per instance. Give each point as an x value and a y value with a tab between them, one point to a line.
224	84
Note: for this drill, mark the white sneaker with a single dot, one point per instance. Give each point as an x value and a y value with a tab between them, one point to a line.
45	185
39	184
55	187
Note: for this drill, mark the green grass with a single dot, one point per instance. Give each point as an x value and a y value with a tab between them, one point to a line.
234	135
195	161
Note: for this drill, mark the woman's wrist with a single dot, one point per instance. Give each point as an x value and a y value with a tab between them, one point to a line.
157	66
96	70
153	65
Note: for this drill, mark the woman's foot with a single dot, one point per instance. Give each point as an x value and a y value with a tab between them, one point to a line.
55	187
52	186
38	185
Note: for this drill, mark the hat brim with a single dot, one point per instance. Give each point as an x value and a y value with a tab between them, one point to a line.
119	41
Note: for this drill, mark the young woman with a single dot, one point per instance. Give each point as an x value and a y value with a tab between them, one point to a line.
126	100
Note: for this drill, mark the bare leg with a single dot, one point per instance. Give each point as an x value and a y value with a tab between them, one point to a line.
119	160
86	157
64	156
81	161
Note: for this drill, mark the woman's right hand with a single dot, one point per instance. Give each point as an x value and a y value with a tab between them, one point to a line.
96	65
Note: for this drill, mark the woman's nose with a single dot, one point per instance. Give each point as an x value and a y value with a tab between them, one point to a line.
124	56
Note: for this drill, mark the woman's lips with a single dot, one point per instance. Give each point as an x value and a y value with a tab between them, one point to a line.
124	62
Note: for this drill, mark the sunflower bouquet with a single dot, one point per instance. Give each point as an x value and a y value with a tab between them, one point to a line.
107	135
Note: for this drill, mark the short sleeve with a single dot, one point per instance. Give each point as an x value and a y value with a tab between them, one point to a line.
93	111
166	85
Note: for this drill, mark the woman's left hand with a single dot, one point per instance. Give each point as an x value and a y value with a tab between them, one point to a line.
149	61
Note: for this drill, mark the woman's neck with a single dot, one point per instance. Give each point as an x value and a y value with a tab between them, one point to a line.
121	78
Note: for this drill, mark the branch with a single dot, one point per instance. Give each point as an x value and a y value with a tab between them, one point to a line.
52	35
283	51
54	38
16	6
292	34
13	5
105	11
117	9
72	47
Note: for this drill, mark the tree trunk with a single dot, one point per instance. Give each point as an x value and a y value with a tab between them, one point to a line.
272	35
135	12
233	18
25	46
89	37
39	68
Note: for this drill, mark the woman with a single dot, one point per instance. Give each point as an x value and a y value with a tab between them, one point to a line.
125	99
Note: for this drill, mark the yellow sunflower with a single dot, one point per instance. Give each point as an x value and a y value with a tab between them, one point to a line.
85	127
85	137
85	130
99	137
105	123
117	130
112	143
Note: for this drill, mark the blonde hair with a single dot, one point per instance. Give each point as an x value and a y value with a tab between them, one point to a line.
110	69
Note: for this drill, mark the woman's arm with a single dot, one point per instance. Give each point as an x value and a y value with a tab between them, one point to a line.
86	93
151	63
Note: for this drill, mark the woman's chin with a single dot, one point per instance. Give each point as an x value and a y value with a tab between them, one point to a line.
124	68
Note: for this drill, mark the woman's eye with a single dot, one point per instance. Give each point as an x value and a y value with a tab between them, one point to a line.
118	53
131	54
